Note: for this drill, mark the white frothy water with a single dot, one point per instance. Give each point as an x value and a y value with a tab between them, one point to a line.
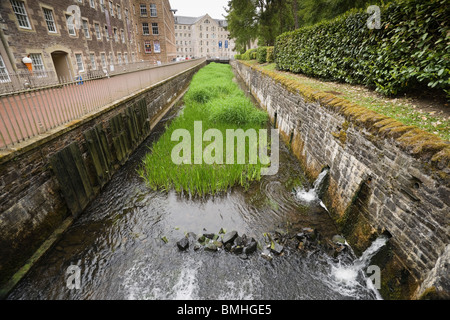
347	277
143	283
312	194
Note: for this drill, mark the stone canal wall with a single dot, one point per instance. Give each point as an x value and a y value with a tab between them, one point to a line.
385	176
51	181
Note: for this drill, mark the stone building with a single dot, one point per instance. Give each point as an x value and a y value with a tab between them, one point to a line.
203	37
154	28
66	38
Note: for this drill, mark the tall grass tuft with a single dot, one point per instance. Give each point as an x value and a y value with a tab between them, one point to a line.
218	102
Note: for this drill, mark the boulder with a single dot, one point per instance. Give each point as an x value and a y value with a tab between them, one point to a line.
251	247
209	235
183	244
229	237
276	247
211	247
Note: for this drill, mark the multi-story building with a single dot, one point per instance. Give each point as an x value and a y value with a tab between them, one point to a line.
66	38
154	28
203	37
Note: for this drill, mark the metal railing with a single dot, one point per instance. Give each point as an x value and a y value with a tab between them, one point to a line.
25	114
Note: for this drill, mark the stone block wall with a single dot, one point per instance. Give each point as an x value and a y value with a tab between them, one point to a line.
405	169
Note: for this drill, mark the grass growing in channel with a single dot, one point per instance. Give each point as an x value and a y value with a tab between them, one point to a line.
218	102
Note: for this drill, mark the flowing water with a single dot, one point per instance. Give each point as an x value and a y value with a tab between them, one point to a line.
117	244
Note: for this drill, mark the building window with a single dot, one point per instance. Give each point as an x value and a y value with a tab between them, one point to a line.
21	14
103	59
70	25
93	62
125	57
102	5
147	47
111	58
106	33
119	58
92	2
122	35
79	59
116	36
38	64
97	31
4	76
143	10
119	12
153	12
111	8
157	46
145	29
49	19
86	29
155	30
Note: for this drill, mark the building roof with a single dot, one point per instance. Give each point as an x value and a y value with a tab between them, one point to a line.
194	20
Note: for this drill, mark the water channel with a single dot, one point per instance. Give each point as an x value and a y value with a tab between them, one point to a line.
117	244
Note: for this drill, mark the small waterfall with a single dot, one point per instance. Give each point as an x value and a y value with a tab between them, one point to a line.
316	192
346	275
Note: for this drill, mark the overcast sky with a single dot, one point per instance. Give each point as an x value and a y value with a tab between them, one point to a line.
197	8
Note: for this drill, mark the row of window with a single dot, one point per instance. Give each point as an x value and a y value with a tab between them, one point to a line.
144	12
121	59
22	18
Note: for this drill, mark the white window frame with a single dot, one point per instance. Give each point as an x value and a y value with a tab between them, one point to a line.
92	3
20	11
86	32
79	62
153	10
111	8
70	26
143	10
4	75
103	60
98	32
125	57
106	33
102	5
119	58
119	11
122	35
38	64
93	59
145	29
116	34
155	25
49	20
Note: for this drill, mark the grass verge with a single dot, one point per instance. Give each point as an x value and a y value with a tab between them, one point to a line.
218	102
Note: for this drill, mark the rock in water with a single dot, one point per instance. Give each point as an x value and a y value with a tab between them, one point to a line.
211	247
338	239
183	244
250	248
276	248
229	237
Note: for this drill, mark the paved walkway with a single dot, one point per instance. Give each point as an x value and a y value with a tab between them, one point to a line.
29	114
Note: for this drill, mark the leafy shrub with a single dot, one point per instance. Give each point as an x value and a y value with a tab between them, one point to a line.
250	54
270	56
410	50
261	54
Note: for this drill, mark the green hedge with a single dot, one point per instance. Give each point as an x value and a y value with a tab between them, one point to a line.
250	54
411	49
261	54
270	56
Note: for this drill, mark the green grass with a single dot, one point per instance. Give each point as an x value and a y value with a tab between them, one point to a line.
398	108
219	103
